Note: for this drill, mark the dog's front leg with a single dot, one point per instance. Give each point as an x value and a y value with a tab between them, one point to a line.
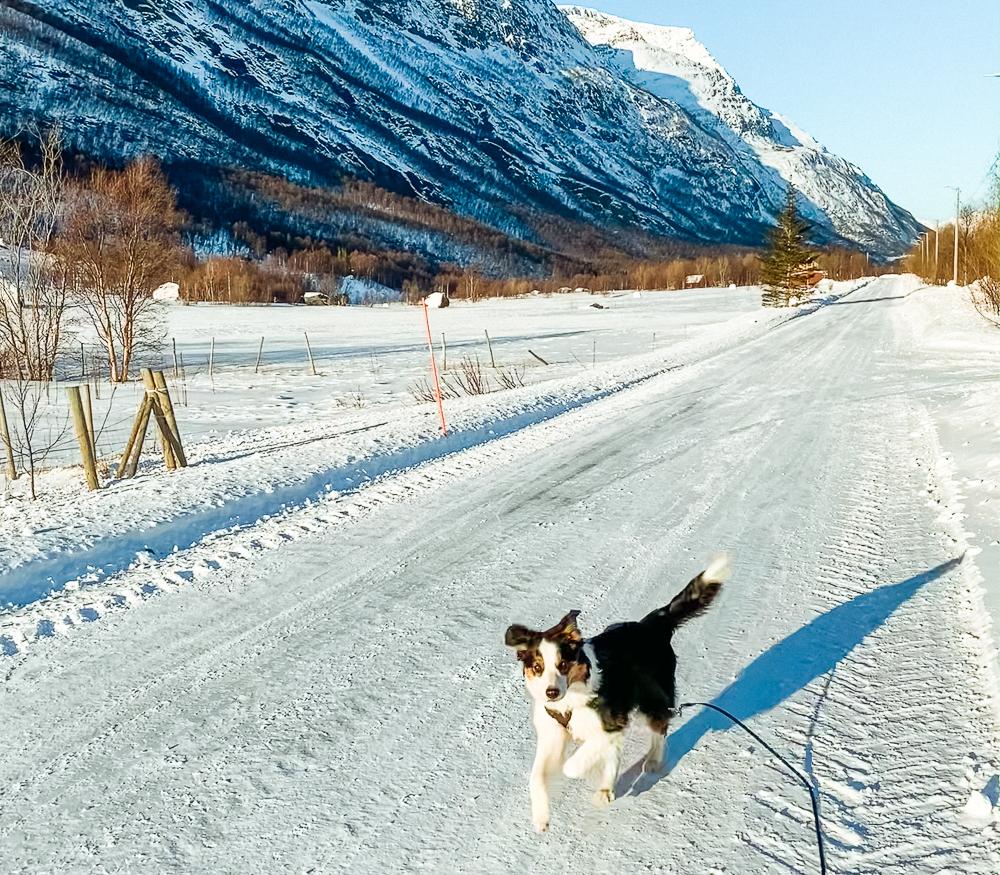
548	758
610	767
584	758
603	753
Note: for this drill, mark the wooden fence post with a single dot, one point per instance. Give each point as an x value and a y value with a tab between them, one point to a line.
133	449
88	415
211	359
82	437
444	353
490	345
161	420
173	340
260	351
167	404
312	363
8	447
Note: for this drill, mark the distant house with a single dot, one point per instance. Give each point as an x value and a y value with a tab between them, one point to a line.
322	299
694	279
814	277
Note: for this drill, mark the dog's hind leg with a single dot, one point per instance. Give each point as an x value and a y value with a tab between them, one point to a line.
653	761
656	706
548	758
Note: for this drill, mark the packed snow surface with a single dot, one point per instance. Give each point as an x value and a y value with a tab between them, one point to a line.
324	688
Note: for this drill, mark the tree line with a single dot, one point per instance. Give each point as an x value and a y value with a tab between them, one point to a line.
978	263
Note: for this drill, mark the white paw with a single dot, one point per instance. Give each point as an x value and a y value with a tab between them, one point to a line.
603	798
541	822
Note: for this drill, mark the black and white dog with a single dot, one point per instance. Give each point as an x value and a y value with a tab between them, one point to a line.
586	690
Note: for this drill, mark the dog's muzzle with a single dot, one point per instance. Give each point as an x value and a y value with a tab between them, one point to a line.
553	693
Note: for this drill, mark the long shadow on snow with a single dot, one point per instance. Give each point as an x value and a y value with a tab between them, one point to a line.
787	667
37	579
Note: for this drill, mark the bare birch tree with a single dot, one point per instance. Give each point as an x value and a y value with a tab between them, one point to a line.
120	241
33	295
32	290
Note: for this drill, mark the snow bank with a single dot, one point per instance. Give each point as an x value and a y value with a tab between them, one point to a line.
168	293
955	362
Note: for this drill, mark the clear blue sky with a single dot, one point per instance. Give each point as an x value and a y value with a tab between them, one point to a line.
898	87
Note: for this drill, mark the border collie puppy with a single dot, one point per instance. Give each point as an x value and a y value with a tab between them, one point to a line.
586	690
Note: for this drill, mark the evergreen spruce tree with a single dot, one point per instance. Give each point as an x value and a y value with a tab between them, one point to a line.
788	260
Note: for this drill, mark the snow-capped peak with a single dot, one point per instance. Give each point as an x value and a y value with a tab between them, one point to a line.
672	64
601	28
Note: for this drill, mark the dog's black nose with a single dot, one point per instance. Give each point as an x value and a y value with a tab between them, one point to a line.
552	692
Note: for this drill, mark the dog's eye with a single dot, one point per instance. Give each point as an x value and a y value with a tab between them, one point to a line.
563	667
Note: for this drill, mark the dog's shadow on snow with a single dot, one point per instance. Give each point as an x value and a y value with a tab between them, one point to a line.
786	668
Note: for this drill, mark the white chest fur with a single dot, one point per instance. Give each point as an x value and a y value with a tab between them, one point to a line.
584	722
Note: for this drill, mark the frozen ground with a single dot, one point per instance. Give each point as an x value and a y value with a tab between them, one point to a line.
262	443
324	688
370	357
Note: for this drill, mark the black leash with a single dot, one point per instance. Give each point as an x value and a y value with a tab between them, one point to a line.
805	781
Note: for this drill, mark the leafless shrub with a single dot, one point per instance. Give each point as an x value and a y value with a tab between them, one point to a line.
354	399
510	377
422	391
985	295
25	406
468	378
471	377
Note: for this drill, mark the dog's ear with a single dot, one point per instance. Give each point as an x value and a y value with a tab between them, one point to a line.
519	636
566	629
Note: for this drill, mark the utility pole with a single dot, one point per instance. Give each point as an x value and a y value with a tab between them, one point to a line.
958	216
937	247
958	211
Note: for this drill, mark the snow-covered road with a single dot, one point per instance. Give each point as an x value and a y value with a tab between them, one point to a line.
343	701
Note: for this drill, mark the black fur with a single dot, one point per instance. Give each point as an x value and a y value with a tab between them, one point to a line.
637	661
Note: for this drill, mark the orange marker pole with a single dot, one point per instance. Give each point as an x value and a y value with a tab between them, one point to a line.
434	370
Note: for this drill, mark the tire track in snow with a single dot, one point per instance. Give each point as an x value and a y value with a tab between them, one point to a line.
242	647
889	802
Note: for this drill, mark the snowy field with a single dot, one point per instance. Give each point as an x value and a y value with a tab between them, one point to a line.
288	657
282	436
367	357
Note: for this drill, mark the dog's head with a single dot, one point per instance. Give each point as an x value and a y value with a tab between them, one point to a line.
550	659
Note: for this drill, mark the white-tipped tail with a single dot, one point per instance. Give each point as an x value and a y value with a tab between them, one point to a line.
717	570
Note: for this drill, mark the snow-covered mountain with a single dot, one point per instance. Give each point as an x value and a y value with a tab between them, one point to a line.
670	63
499	110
